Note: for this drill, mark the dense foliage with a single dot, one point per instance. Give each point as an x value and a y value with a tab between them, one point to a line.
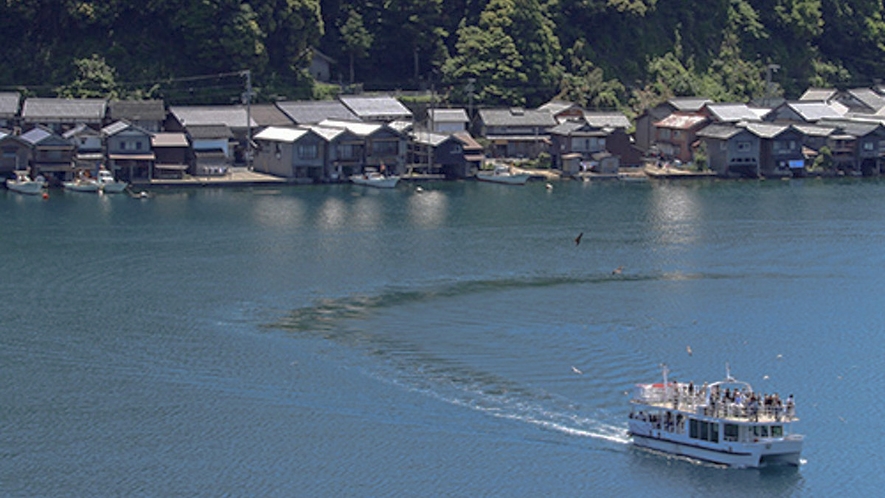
600	53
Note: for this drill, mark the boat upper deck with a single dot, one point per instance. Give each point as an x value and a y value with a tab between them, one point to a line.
730	400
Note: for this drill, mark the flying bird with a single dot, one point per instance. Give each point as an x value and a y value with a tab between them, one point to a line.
688	350
578	238
575	369
618	270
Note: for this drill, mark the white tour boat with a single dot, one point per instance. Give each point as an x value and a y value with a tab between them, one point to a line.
503	174
375	179
108	184
23	184
724	422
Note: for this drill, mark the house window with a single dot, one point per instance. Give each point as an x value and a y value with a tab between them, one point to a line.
743	146
677	134
386	147
868	146
347	151
307	151
138	145
664	134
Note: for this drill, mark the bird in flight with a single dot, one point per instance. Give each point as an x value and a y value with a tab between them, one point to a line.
576	370
688	350
618	270
578	238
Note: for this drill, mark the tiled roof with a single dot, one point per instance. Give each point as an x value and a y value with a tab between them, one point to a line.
9	102
278	134
448	115
232	116
517	117
732	113
304	112
359	129
868	97
606	119
680	121
818	94
767	130
269	115
469	142
426	137
556	106
209	131
169	139
815	111
137	110
80	130
371	107
689	104
719	131
48	110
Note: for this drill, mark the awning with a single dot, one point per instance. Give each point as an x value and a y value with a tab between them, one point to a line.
132	157
478	157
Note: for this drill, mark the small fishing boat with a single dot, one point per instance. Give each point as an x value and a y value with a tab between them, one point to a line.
503	174
23	184
724	422
108	184
82	184
375	179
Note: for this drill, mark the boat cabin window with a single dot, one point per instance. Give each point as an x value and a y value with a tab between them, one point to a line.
732	432
777	431
760	430
706	431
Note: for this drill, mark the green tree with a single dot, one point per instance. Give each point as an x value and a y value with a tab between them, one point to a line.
356	38
95	78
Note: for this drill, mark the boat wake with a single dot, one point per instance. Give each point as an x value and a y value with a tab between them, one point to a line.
542	410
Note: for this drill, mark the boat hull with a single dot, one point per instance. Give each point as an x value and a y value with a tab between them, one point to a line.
113	187
784	451
82	186
508	179
29	188
384	182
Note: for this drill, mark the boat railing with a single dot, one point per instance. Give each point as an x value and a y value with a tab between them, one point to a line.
680	397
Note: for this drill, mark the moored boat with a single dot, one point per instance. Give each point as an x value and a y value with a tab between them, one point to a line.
108	184
375	179
82	185
503	174
23	184
723	422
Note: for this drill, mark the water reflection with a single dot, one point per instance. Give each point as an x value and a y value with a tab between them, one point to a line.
332	214
674	212
428	209
279	212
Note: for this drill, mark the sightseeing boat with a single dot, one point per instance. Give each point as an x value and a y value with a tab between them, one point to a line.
724	422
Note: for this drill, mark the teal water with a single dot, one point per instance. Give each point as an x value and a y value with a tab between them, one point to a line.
340	341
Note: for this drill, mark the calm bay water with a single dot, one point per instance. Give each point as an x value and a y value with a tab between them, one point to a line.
339	341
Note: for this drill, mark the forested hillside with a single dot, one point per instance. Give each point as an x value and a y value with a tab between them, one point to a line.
600	53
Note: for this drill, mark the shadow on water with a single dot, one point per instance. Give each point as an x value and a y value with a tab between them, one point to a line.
325	314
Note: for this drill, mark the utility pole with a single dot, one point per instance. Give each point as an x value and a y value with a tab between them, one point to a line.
470	88
430	127
768	70
247	99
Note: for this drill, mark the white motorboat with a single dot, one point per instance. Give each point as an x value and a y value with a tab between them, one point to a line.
375	179
724	422
503	174
23	184
108	184
83	184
